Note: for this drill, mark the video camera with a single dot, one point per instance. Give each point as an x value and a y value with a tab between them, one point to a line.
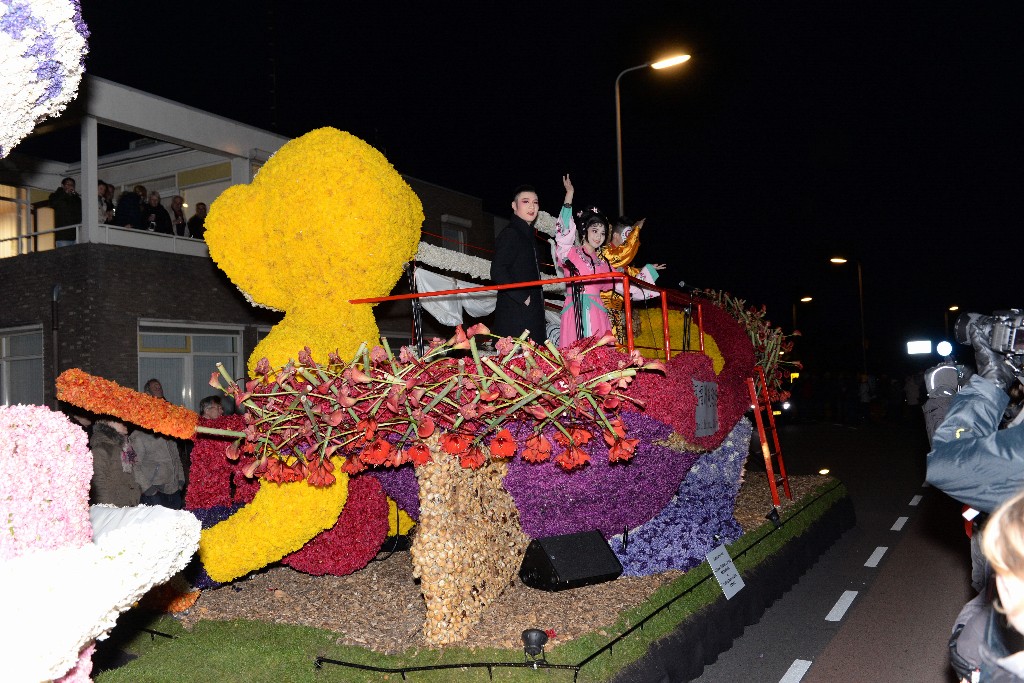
1002	329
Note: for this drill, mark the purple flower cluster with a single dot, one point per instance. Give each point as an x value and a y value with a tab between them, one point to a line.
698	519
606	496
401	485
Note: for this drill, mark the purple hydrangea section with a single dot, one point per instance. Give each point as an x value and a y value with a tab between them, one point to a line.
605	496
698	519
401	485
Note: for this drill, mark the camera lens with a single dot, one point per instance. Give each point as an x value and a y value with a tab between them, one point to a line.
961	331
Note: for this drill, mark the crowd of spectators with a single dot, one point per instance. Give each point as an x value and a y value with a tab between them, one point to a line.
135	208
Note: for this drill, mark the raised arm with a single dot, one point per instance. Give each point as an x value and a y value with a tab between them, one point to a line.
565	227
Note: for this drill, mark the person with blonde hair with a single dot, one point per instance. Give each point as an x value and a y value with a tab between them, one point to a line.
988	642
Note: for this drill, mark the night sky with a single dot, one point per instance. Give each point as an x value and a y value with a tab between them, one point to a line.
887	131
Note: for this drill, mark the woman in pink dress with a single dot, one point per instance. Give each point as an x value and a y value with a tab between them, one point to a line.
583	314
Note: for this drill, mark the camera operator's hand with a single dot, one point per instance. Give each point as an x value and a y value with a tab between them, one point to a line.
991	365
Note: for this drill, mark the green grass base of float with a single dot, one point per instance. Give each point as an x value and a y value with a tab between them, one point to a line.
250	651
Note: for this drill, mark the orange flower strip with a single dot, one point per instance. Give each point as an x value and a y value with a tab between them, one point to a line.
103	397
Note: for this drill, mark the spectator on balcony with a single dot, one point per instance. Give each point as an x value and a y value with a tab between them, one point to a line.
516	259
197	224
67	210
179	225
155	217
105	212
128	213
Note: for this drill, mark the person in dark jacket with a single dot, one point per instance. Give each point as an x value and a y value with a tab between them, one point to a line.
972	459
113	478
987	645
128	213
155	217
517	259
197	224
67	210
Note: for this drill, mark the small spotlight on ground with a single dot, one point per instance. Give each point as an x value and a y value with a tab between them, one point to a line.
823	471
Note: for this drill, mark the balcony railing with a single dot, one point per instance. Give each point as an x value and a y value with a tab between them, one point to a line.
676	299
44	240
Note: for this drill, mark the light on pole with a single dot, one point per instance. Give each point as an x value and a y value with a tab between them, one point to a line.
803	300
662	64
954	309
839	260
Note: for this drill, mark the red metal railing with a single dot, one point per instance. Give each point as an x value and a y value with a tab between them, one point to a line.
666	296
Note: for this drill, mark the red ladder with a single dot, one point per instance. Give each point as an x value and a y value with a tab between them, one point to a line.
763	404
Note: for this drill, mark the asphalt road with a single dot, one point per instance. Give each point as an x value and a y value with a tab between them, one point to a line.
879	605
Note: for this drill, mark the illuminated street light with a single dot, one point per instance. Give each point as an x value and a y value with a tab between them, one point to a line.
662	64
945	328
803	300
839	260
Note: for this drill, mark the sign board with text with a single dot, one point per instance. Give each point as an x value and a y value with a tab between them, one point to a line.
706	415
725	571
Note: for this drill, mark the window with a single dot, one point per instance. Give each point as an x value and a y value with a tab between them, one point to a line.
21	365
14	220
184	355
453	238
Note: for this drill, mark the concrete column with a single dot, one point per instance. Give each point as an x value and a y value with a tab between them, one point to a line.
240	171
87	185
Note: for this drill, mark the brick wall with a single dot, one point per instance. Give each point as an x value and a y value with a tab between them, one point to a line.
105	290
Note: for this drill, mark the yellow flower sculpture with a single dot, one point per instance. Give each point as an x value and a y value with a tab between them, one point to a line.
327	219
651	336
279	520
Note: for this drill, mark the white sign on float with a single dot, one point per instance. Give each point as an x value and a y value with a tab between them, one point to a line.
706	413
725	571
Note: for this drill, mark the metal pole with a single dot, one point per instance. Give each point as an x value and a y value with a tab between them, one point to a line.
863	333
618	130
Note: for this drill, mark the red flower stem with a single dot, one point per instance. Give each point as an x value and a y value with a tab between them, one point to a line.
600	413
484	381
500	373
444	392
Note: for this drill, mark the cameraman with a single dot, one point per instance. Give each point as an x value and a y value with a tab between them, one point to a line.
972	460
977	463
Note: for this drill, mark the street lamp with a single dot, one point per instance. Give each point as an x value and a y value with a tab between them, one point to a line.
954	309
803	300
663	64
839	260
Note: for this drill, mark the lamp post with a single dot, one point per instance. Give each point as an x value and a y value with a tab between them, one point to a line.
663	64
954	309
839	260
803	300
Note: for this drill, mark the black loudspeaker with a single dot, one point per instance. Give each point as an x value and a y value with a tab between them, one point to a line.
570	561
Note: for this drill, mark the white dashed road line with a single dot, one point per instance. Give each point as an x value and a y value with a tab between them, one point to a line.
898	526
839	609
915	500
796	671
876	556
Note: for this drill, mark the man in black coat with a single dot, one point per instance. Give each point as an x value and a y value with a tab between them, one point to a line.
155	217
517	259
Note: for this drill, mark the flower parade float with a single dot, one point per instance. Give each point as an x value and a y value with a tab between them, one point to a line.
341	434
